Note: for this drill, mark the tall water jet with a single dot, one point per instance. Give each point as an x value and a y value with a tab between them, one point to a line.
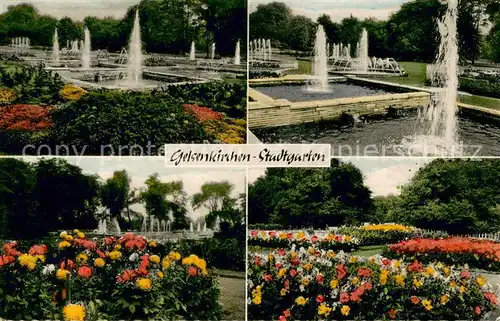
443	110
270	49
55	46
319	81
237	54
134	57
86	50
212	53
192	53
362	53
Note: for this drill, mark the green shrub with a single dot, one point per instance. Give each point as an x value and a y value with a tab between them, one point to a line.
481	87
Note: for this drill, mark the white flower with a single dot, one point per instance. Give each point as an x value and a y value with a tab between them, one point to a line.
133	257
48	269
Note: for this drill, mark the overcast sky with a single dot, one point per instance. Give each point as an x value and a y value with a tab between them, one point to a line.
382	175
339	9
76	9
139	169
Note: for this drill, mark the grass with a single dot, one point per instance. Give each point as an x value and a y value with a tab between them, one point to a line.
305	67
367	251
481	101
232	298
416	74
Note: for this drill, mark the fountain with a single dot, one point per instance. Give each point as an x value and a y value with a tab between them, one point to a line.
362	53
319	81
212	53
101	227
237	55
192	54
55	47
269	53
191	228
86	50
198	228
134	57
104	228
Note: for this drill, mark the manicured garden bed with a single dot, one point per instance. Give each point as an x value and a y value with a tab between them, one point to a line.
481	254
323	240
322	285
126	278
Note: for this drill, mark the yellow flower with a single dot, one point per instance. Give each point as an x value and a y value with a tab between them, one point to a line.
293	254
257	295
71	92
117	247
331	254
68	238
323	309
41	258
28	261
257	299
348	238
165	263
345	310
462	289
417	283
74	312
301	235
281	273
282	235
64	244
270	256
99	262
399	279
355	280
387	227
174	256
160	274
481	281
445	298
308	267
80	235
384	275
453	284
76	231
429	271
427	304
353	259
334	284
154	259
311	251
62	274
305	281
63	234
115	255
144	284
152	244
397	264
82	258
446	271
283	292
301	300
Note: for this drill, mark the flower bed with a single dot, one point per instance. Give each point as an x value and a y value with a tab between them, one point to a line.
325	240
482	254
321	285
112	279
382	234
72	92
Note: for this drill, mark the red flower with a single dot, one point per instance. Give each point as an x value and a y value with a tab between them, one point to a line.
281	252
202	113
32	118
341	271
287	313
415	267
465	275
344	297
268	277
314	239
192	271
108	240
84	272
38	250
126	276
293	273
277	266
67	265
386	261
477	310
392	313
364	272
256	260
254	233
491	297
319	278
6	259
132	241
320	299
414	300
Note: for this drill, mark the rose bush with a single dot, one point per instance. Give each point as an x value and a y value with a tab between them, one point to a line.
323	240
475	253
115	278
323	285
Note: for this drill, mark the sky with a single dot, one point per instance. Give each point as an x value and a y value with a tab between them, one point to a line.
76	9
381	175
139	169
339	9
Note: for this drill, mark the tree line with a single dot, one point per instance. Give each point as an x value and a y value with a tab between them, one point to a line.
51	194
458	196
409	34
167	26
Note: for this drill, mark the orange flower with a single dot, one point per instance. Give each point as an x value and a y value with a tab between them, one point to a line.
392	313
192	271
85	272
415	300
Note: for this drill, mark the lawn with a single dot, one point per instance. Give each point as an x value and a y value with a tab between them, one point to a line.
232	297
480	101
416	74
367	251
305	68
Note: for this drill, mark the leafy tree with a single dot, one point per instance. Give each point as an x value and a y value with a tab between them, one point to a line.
161	199
298	197
216	198
458	196
67	30
271	21
115	194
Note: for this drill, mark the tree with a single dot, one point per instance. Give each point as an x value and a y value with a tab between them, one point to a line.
68	31
216	198
458	196
297	197
115	194
332	29
271	21
162	199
